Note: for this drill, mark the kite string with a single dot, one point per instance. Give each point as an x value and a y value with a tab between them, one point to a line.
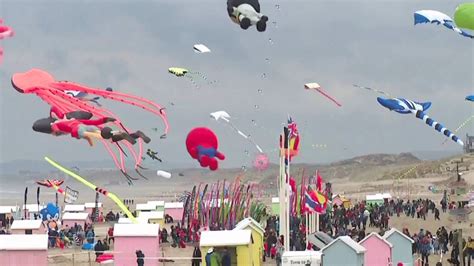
460	126
247	137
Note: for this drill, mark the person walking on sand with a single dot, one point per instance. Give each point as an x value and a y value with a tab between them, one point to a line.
196	256
140	258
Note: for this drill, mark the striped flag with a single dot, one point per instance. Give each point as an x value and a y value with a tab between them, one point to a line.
315	201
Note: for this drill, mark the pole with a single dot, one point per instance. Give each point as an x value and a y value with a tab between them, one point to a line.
317	222
287	203
307	228
282	200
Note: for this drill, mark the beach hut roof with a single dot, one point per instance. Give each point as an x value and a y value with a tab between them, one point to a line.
349	242
26	224
75	216
24	242
225	238
375	234
151	215
145	207
156	203
33	207
393	231
136	229
7	209
141	220
249	221
74	208
173	205
92	205
275	200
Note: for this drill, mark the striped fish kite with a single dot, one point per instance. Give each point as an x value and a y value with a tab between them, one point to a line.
404	106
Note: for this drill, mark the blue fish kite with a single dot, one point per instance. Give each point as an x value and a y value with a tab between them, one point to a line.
433	16
404	106
470	98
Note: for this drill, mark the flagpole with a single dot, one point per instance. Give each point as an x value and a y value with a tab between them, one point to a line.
317	222
307	229
287	211
282	199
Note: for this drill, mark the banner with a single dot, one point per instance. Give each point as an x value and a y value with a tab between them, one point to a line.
71	195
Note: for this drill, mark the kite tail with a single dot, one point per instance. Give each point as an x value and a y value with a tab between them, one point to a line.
461	126
201	76
438	127
192	81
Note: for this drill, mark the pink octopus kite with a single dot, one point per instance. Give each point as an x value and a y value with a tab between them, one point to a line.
5	32
73	116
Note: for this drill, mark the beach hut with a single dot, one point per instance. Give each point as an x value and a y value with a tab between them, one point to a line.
257	236
144	207
319	239
401	246
24	250
28	227
159	204
71	218
341	200
74	208
132	237
343	251
89	207
31	210
275	206
379	250
175	210
153	217
237	242
374	199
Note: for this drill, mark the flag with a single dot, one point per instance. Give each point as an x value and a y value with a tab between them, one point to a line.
315	201
184	196
38	196
70	195
319	182
26	198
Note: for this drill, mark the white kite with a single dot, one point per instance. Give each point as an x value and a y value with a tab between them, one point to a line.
163	174
226	117
201	48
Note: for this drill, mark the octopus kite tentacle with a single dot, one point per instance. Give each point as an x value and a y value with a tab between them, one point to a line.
114	95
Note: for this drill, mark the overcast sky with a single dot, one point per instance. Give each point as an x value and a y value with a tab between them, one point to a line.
129	45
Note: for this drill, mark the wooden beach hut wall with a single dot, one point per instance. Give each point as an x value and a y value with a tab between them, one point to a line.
31	210
238	243
275	206
175	210
343	251
153	217
132	237
28	227
89	207
144	207
159	205
69	219
74	208
379	250
401	247
24	250
257	236
374	199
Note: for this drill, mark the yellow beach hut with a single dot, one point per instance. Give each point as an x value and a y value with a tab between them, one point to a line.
257	235
238	244
153	217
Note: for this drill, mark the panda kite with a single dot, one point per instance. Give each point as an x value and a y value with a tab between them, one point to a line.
247	13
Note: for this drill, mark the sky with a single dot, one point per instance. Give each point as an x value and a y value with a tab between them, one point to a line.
129	45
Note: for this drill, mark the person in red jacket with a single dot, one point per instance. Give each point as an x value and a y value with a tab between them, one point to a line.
273	251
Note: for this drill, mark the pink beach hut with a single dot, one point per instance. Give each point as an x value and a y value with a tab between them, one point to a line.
71	218
175	210
379	250
89	207
24	250
132	237
28	227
